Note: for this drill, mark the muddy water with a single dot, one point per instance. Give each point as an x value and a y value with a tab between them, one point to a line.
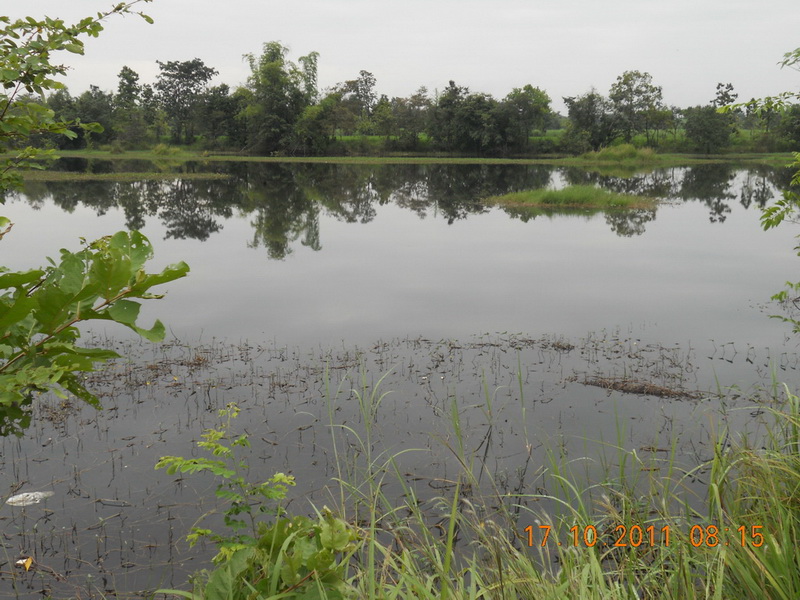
520	331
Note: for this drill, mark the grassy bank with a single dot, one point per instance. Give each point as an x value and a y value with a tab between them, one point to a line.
49	176
575	196
645	159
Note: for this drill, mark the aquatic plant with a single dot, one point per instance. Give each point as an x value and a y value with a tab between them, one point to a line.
636	533
574	196
286	557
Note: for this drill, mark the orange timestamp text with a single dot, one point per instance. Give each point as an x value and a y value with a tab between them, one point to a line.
634	536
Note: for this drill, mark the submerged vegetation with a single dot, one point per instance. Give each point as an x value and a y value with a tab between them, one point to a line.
641	531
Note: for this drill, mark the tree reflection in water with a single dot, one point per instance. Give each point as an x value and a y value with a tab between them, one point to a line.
286	200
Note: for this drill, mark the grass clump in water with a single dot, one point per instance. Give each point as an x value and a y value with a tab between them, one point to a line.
575	196
623	153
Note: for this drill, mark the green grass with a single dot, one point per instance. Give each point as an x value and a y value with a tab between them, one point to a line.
741	540
576	196
623	153
146	176
755	489
588	161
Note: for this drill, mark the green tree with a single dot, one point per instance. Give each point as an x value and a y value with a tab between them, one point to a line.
179	86
725	95
466	122
636	101
708	130
365	93
277	93
593	122
41	308
63	106
129	123
128	89
529	108
382	117
27	74
790	125
95	106
411	117
218	123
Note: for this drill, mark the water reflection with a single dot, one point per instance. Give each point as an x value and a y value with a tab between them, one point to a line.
284	201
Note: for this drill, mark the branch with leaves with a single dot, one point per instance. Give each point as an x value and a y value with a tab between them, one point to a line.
27	70
41	308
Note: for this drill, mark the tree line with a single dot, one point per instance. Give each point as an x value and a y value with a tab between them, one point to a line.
279	110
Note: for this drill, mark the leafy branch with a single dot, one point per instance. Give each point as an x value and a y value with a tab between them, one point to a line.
295	557
40	308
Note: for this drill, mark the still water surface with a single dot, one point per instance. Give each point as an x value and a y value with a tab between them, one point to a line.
307	273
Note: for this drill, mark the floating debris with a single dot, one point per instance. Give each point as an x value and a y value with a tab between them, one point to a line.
27	498
632	386
25	563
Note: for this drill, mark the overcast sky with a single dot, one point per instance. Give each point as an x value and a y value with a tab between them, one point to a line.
562	46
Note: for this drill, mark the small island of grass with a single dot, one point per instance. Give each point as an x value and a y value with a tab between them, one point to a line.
575	196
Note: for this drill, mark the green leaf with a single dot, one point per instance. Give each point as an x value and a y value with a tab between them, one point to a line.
10	391
21	308
181	593
71	384
140	248
334	533
54	309
124	311
220	584
111	272
170	273
19	279
154	334
72	271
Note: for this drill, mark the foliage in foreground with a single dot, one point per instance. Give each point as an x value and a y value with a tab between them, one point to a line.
788	206
40	308
741	541
295	557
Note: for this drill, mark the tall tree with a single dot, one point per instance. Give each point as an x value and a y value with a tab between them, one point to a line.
277	93
129	123
308	65
528	110
443	126
593	122
636	101
63	106
128	88
725	95
218	117
179	85
411	116
96	106
466	122
365	92
707	129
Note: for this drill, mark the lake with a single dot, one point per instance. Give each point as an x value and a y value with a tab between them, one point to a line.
310	280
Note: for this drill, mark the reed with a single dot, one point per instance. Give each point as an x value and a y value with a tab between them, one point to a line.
641	530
